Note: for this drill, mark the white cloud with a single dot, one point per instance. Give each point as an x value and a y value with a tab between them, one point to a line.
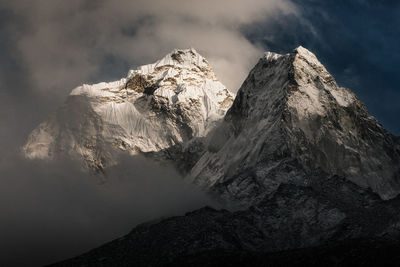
63	42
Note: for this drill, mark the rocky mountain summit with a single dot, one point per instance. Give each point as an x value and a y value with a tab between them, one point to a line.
309	168
289	122
155	107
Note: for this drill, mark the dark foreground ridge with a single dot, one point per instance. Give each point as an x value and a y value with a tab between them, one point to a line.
347	253
297	225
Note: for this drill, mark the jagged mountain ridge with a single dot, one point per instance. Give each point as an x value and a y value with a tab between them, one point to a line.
290	119
300	154
155	107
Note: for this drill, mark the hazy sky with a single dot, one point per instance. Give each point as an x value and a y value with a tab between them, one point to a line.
47	47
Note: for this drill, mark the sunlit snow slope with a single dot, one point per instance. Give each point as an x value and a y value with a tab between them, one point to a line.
155	107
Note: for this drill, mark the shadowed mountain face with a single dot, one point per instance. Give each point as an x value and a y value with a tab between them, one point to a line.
311	169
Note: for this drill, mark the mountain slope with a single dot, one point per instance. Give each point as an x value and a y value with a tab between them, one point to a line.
310	168
289	120
156	107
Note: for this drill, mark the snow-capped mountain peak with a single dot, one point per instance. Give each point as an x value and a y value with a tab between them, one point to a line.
157	106
299	154
290	121
183	59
